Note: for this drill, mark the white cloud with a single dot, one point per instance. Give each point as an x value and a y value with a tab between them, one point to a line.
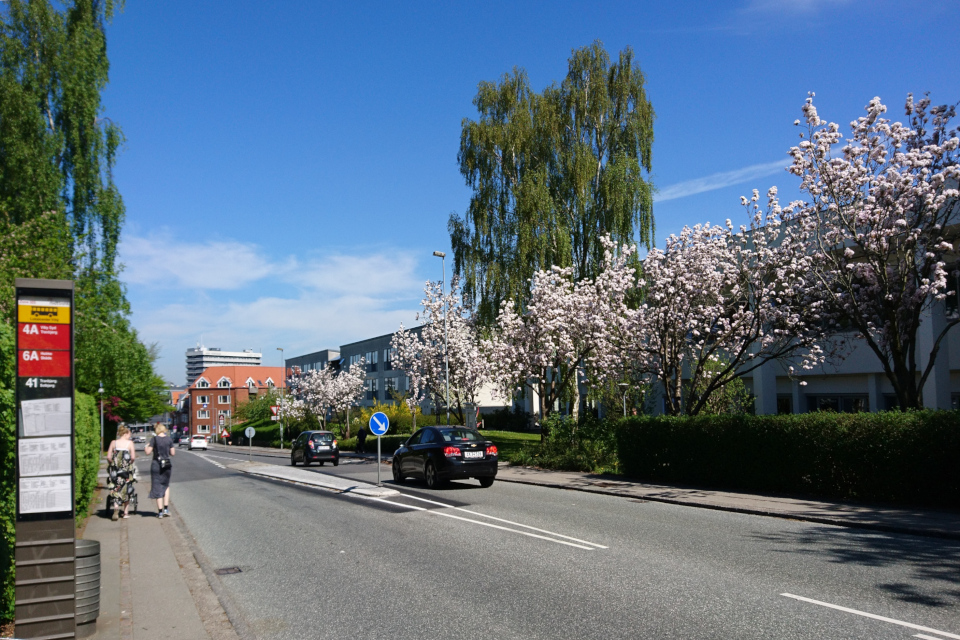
720	180
236	296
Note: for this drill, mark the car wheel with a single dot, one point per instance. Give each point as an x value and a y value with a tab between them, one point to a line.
293	461
397	476
430	473
485	482
320	463
336	462
306	461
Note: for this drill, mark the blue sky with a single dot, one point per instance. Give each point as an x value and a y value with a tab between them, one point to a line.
290	167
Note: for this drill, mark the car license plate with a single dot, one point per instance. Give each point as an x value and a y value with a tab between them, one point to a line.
324	447
473	454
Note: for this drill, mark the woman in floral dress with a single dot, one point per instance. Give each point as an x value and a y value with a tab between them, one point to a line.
120	457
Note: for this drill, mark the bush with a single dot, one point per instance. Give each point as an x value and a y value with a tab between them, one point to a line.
891	456
587	445
87	452
8	476
398	414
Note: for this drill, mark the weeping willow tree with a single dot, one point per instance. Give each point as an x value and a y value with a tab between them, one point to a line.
551	174
61	213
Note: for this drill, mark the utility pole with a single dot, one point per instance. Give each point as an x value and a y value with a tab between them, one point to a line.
446	357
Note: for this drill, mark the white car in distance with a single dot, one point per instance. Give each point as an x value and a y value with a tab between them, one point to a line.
198	442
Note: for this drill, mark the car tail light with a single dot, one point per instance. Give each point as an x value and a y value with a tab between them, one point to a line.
492	450
311	445
452	452
334	444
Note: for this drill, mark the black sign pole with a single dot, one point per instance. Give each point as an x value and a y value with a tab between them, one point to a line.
45	554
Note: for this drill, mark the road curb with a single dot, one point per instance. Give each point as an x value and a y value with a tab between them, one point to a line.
838	522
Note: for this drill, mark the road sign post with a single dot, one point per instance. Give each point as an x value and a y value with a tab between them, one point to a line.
379	423
249	432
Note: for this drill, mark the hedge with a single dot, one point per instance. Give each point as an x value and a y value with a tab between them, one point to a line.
908	458
87	464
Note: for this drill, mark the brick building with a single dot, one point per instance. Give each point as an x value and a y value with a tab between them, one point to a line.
218	391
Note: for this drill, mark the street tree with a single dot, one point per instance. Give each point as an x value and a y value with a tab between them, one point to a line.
721	302
881	218
551	174
425	357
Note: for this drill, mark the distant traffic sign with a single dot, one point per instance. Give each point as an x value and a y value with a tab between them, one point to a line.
249	432
221	420
274	409
379	423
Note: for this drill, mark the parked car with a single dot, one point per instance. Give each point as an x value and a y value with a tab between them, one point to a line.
184	440
439	454
139	439
315	446
198	442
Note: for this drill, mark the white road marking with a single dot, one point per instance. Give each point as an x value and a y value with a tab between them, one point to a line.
483	524
909	625
920	635
516	524
208	459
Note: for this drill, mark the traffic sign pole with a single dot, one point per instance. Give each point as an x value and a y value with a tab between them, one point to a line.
379	423
249	432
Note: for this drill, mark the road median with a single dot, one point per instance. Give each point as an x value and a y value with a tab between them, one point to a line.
313	479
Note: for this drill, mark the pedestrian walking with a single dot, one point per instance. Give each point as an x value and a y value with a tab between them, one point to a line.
121	472
161	447
361	439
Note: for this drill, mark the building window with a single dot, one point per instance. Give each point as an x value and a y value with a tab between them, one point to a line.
388	357
203	428
224	384
839	403
270	384
223	399
372	357
354	359
784	404
223	412
203	414
203	384
203	399
372	387
389	387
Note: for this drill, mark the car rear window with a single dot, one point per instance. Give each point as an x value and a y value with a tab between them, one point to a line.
323	437
460	435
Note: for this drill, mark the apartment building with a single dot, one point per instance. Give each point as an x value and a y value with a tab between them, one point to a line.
218	391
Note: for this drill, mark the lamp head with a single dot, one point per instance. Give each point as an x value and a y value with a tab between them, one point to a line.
440	254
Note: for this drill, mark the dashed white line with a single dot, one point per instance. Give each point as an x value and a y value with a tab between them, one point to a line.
210	460
909	625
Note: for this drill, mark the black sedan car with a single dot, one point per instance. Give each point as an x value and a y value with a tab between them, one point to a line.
315	446
438	454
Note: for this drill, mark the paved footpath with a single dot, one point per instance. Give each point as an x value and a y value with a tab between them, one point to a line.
153	581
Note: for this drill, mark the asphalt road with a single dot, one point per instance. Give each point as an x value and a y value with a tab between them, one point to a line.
517	561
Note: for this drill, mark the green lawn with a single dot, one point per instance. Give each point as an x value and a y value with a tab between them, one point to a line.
510	442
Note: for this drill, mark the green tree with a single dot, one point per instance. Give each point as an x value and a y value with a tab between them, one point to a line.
551	174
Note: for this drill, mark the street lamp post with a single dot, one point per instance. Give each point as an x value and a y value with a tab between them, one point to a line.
284	381
446	357
626	388
100	391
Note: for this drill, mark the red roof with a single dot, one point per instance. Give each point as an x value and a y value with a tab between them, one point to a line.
239	376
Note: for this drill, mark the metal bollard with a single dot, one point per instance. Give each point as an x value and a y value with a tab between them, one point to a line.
88	583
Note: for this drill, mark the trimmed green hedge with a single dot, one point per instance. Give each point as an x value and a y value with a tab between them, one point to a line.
910	458
87	451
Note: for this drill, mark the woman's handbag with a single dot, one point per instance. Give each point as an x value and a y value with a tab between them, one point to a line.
164	464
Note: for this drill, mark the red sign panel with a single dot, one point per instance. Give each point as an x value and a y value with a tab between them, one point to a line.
42	362
44	336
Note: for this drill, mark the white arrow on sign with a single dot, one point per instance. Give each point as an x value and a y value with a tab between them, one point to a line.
379	424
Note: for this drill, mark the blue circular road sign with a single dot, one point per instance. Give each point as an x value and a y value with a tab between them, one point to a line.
379	423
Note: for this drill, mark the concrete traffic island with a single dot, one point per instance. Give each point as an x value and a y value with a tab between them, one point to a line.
313	479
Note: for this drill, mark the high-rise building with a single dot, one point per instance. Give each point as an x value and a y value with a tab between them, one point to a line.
200	358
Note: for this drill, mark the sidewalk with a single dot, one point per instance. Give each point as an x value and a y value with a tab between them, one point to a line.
154	581
924	522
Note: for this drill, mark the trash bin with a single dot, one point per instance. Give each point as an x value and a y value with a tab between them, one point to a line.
88	582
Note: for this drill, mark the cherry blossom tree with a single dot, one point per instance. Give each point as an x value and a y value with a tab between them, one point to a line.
407	348
721	302
881	221
322	391
565	329
421	356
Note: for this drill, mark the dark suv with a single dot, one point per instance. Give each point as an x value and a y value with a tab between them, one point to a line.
315	446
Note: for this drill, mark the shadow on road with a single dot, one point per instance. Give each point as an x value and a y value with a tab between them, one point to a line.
925	560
